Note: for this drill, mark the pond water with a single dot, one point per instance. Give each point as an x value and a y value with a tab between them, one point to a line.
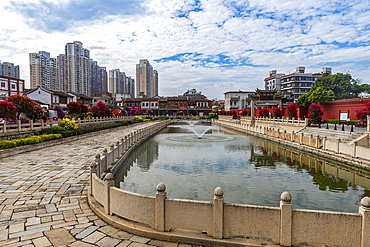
250	170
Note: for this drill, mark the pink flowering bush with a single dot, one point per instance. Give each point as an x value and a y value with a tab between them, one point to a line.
314	113
277	112
292	110
8	110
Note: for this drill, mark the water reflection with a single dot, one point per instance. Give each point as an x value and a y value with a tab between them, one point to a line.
250	170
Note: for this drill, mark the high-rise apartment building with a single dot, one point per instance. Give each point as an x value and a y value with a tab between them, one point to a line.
78	68
130	86
146	87
105	79
9	70
61	63
117	81
155	83
43	71
98	77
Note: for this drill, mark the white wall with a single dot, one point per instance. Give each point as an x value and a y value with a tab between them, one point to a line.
40	95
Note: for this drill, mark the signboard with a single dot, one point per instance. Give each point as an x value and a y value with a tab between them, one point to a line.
343	116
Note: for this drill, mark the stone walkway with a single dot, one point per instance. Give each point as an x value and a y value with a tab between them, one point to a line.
43	198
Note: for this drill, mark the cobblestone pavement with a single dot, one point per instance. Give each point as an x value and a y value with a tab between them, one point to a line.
43	198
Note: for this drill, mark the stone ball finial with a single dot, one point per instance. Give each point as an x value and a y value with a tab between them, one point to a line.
218	191
365	202
105	150
161	187
109	176
92	164
97	156
286	197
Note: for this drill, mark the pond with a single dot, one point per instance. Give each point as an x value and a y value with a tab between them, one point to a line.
250	170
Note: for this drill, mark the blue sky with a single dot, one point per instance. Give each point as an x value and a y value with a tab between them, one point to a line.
211	45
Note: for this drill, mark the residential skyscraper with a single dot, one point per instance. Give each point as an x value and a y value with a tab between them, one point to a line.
155	83
43	71
61	63
146	87
105	79
130	86
9	70
78	68
117	81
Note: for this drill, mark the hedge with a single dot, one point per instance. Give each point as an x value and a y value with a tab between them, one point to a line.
5	144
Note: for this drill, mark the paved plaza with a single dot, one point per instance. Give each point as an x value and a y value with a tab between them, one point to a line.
43	198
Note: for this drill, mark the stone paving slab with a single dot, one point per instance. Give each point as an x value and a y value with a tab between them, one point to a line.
43	197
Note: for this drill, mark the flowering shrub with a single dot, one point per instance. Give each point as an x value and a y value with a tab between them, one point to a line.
38	113
314	113
149	112
83	108
68	124
5	144
95	111
138	118
361	124
73	108
245	112
8	110
124	113
361	114
265	112
24	104
292	110
277	112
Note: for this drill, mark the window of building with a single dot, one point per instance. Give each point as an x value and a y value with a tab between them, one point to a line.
13	86
3	84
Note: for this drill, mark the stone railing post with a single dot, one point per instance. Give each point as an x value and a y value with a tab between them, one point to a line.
122	148
364	210
284	134
31	124
97	165
338	141
301	139
286	219
108	182
104	166
354	146
324	143
299	121
92	171
19	125
310	143
278	133
117	150
306	122
111	154
317	141
292	136
125	144
160	197
218	213
4	127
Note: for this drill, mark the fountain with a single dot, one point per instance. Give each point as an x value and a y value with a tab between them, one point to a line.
199	132
192	122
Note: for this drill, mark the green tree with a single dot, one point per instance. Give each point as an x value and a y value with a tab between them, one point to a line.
320	95
342	85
